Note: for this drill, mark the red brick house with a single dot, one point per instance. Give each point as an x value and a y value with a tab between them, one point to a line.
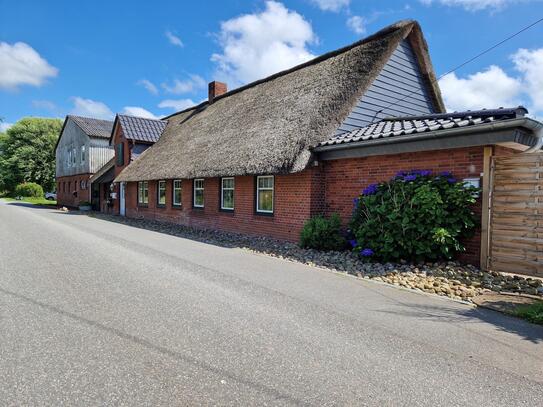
130	136
82	149
264	158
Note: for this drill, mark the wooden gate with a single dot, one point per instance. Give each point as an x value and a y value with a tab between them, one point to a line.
516	214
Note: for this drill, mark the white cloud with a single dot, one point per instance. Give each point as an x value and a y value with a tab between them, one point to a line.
176	104
194	83
474	5
150	86
356	24
493	87
258	45
174	39
4	126
20	64
91	108
487	89
331	5
139	112
45	105
530	64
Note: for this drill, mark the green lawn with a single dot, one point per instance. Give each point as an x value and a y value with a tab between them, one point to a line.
532	312
34	201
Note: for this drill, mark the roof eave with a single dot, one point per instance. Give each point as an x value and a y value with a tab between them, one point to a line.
487	134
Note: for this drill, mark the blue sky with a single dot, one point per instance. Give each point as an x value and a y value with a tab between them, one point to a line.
155	57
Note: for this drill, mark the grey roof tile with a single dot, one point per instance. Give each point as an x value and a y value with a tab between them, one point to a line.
141	129
93	127
403	126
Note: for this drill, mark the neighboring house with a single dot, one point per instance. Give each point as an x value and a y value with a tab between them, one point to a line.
81	150
129	137
264	158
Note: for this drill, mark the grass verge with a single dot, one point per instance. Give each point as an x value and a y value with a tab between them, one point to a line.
531	312
33	201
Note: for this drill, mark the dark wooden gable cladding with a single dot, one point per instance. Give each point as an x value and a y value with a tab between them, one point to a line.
400	78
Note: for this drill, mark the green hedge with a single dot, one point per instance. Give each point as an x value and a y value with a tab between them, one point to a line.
323	233
415	216
29	189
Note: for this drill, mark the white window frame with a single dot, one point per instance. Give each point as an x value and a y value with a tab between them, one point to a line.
227	189
194	189
163	182
258	189
180	188
141	200
82	154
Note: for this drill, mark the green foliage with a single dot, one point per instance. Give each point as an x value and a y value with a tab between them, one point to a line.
27	153
414	216
29	189
532	312
323	234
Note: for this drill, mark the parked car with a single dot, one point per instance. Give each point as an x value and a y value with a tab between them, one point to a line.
51	196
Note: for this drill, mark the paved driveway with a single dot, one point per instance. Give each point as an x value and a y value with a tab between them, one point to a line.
98	313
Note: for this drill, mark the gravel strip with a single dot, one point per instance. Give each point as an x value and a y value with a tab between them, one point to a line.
450	279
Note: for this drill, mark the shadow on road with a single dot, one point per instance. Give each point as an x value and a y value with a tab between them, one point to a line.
505	323
157	348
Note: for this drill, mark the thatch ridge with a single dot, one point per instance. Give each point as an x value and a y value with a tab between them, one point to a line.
270	125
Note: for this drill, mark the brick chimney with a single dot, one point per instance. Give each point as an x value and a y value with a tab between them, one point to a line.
216	89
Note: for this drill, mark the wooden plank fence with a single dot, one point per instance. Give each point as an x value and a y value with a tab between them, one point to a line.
516	215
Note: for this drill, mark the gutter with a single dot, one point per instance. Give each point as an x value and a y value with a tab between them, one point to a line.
531	124
537	128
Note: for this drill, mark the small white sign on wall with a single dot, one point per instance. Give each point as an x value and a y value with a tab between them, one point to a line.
113	195
472	182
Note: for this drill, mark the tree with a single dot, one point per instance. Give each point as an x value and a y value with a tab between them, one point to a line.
27	153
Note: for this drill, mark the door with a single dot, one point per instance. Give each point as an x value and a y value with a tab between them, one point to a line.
122	199
95	196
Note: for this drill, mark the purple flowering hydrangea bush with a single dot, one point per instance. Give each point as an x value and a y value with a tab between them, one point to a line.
417	215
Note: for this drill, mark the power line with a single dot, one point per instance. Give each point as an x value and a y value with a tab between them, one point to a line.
461	65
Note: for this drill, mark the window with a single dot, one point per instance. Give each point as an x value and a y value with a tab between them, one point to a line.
74	155
119	154
161	193
227	193
176	192
198	196
264	194
143	193
82	154
83	184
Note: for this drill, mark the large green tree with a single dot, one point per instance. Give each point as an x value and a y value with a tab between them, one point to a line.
27	153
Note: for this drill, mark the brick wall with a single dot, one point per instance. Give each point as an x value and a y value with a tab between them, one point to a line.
69	191
345	179
328	188
292	205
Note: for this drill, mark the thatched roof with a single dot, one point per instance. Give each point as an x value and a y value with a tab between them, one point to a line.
270	126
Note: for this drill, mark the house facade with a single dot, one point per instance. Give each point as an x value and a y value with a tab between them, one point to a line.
81	150
130	137
264	158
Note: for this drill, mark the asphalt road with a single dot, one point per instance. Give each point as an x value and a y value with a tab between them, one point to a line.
98	313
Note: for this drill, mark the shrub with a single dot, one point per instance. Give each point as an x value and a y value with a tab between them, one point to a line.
323	234
414	216
29	189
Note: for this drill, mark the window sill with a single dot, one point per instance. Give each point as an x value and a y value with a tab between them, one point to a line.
178	207
160	205
198	208
143	205
265	214
226	210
